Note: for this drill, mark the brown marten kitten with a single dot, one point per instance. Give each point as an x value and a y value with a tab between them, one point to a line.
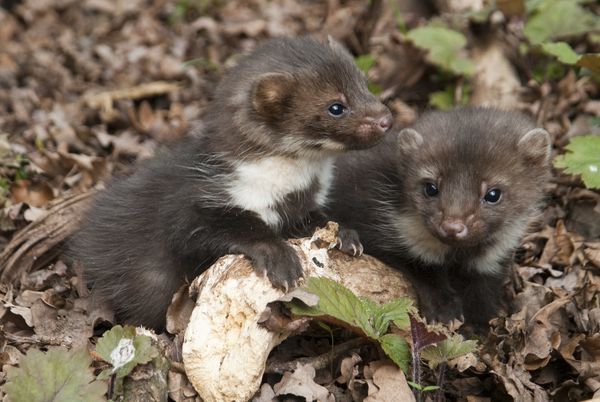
258	172
447	202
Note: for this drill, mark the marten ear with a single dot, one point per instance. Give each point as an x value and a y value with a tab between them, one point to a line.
409	140
535	146
271	94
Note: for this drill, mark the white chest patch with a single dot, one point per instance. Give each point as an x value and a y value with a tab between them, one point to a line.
260	185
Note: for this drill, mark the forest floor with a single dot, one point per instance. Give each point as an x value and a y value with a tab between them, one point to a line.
89	87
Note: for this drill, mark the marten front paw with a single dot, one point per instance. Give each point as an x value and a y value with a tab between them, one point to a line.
278	261
349	242
441	309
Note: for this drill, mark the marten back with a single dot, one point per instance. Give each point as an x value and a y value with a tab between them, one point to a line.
447	201
258	171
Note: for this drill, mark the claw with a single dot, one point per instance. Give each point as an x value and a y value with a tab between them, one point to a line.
354	250
361	249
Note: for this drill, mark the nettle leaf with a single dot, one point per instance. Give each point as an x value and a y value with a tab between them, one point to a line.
446	350
562	51
582	159
444	47
371	318
335	301
558	18
57	375
339	302
397	312
124	350
397	349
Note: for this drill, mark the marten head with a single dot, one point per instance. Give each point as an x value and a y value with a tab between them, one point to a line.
472	178
305	96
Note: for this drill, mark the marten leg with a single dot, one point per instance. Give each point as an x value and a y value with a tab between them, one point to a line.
482	297
437	300
234	231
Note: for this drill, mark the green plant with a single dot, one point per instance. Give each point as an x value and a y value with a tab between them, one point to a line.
582	158
57	375
445	48
565	54
550	19
365	63
339	305
123	350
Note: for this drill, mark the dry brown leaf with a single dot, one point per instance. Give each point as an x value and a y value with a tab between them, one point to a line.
36	194
180	310
592	252
517	382
349	369
265	394
301	383
389	385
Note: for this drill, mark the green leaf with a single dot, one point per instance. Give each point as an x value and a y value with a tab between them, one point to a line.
557	19
582	159
57	375
448	349
397	349
365	62
431	388
416	386
335	301
444	47
567	55
562	51
340	303
443	100
124	350
374	88
395	311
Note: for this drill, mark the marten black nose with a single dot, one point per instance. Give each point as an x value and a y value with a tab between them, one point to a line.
385	122
454	228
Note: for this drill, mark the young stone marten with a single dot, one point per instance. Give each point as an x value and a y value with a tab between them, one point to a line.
447	202
258	172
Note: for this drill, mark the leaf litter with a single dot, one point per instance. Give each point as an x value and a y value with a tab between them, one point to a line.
87	88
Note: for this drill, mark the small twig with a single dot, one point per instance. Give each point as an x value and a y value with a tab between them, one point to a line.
36	339
416	370
111	386
318	362
441	374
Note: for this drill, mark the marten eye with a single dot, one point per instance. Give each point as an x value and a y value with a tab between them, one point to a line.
431	190
336	109
493	196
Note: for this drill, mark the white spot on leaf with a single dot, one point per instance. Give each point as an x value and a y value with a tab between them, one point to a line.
122	354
